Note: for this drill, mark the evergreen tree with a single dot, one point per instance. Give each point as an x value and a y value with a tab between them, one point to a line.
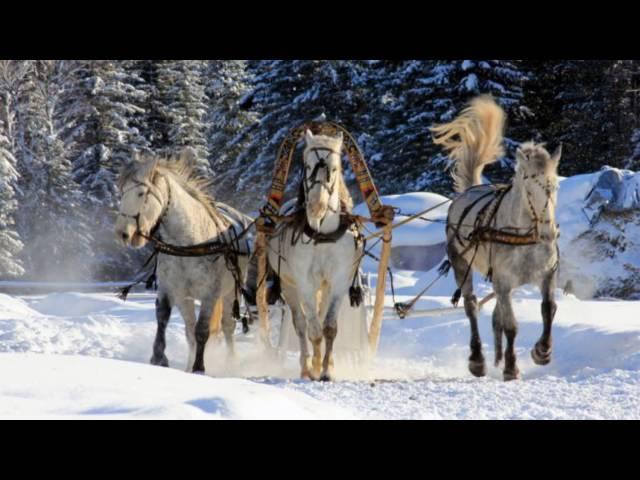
99	102
14	77
10	244
97	106
52	222
227	87
418	94
596	121
181	88
633	162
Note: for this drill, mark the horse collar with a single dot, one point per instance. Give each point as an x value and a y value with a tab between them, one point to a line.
332	237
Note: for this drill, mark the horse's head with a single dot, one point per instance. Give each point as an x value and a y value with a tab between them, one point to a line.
537	172
142	202
534	160
322	174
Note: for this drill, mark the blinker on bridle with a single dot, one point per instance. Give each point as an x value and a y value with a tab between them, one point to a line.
312	180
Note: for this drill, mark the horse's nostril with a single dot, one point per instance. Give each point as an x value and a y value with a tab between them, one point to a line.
125	236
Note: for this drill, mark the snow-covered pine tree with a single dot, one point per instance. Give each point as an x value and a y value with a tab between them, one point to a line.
633	162
414	95
14	77
183	108
10	243
96	110
98	105
54	229
148	120
287	93
595	121
227	86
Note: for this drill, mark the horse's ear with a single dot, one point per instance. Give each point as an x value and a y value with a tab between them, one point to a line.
136	156
189	155
308	135
557	153
339	137
520	156
149	165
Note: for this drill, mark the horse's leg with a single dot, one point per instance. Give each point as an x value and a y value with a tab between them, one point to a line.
228	324
314	331
202	330
541	352
300	326
330	332
503	314
498	332
187	309
461	268
163	313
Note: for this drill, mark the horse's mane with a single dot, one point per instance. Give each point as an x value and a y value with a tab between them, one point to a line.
181	168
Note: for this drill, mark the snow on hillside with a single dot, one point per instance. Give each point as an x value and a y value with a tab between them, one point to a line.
417	232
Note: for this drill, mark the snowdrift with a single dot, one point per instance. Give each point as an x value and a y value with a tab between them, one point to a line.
56	386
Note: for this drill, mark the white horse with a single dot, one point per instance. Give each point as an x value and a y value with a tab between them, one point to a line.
163	197
507	233
316	258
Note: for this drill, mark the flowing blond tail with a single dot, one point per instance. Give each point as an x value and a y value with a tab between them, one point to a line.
472	140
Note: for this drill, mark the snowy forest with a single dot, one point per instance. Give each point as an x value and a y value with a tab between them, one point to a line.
68	126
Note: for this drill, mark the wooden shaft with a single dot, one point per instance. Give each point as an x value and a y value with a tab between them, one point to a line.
376	322
261	294
215	322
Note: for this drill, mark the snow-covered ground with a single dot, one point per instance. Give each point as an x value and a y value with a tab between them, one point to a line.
49	368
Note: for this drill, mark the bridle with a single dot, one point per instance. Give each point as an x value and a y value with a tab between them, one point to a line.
310	181
150	191
549	189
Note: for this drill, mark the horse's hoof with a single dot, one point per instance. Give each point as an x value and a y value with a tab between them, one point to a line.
511	375
162	361
325	377
307	375
540	358
477	368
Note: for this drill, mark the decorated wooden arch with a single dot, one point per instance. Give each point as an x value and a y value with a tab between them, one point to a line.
381	215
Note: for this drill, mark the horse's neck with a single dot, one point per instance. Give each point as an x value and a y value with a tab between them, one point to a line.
187	220
519	207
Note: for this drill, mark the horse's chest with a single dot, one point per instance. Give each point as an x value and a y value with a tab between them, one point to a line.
320	262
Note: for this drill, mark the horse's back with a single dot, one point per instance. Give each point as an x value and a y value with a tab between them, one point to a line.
466	207
239	223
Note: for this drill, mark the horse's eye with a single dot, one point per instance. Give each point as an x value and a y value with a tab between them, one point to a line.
141	194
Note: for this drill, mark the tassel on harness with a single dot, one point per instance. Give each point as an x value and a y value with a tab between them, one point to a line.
149	281
355	295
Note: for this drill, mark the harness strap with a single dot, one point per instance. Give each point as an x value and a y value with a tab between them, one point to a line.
466	212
